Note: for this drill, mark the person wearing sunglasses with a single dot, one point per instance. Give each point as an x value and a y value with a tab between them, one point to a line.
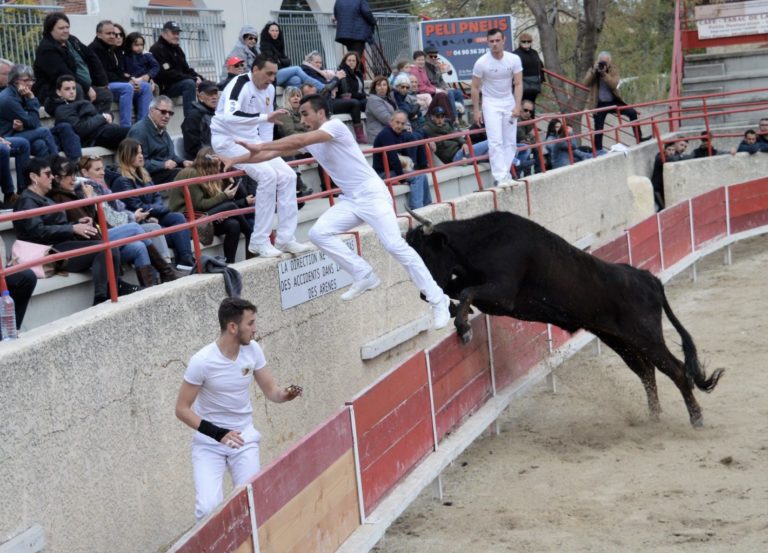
245	48
235	67
533	67
435	71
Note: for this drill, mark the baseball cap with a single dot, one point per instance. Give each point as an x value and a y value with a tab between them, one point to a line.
430	50
234	60
172	26
206	87
437	111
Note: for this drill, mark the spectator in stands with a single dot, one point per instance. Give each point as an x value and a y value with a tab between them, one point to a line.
603	80
354	24
160	158
235	66
60	53
703	150
288	124
450	149
18	148
424	100
435	71
749	144
407	100
133	176
93	128
681	146
212	197
196	128
5	69
419	71
138	63
533	67
657	175
399	163
93	179
559	155
402	66
762	132
176	77
215	400
352	87
21	285
379	108
135	253
54	230
273	48
20	116
313	66
245	49
126	89
525	137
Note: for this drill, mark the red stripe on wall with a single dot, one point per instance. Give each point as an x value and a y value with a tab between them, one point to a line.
709	216
675	233
474	394
225	531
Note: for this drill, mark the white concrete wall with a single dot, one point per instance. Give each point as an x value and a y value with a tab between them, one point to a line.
89	446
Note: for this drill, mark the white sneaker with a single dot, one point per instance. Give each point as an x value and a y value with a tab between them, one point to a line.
293	247
361	286
264	250
441	315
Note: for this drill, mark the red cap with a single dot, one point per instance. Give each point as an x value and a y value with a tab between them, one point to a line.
234	60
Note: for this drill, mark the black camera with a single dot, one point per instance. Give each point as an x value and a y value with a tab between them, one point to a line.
602	66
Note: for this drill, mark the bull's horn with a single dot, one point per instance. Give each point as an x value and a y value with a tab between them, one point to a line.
426	222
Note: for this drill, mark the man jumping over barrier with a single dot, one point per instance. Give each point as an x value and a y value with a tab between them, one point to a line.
364	199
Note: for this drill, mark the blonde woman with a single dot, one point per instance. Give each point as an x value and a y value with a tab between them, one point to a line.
214	196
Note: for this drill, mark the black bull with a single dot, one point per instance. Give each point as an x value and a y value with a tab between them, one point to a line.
504	264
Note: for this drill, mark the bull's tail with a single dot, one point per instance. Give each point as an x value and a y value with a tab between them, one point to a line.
692	367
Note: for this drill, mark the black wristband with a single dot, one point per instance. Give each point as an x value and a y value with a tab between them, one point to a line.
211	430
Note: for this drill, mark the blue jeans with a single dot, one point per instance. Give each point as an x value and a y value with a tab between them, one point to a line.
480	149
20	149
41	141
180	240
295	76
68	140
420	194
455	95
134	253
126	97
187	89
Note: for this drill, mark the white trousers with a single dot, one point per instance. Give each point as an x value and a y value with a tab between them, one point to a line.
209	461
277	181
375	209
502	135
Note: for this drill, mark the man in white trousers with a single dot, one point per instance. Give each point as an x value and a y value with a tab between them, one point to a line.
215	400
364	199
246	111
499	76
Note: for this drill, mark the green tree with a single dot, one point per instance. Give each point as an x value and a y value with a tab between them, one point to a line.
20	31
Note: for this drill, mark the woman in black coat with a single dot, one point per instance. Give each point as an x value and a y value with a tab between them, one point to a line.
352	88
273	48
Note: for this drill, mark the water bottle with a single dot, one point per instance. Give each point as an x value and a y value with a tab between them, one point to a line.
8	317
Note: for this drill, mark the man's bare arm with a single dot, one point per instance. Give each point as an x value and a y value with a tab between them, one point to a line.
475	95
264	151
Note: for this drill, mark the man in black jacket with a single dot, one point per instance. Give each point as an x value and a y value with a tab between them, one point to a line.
176	77
93	128
60	53
196	127
126	89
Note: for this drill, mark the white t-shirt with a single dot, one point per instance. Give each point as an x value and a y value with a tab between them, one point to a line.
225	396
497	75
242	111
344	162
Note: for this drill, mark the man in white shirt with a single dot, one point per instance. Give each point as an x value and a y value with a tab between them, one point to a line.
215	400
246	112
498	74
364	199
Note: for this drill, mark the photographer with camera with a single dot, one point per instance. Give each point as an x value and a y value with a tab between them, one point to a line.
603	80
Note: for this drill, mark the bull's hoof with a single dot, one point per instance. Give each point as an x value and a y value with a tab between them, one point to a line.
697	421
466	337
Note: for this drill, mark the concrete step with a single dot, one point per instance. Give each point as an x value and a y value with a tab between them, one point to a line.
730	62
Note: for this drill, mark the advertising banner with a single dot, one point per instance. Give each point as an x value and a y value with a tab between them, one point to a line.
461	41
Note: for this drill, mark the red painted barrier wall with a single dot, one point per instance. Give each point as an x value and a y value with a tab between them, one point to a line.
709	221
225	531
517	347
615	251
644	241
675	233
748	204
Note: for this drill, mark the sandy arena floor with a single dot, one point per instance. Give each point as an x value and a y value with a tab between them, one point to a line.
586	471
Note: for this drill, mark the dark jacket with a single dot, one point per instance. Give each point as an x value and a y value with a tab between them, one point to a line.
52	60
447	147
14	106
150	201
354	21
157	147
196	129
81	114
611	77
111	60
137	65
435	75
61	196
273	49
50	229
290	123
173	64
532	64
388	137
352	83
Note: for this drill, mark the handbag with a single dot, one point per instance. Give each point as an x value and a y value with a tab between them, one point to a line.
532	83
204	230
23	251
